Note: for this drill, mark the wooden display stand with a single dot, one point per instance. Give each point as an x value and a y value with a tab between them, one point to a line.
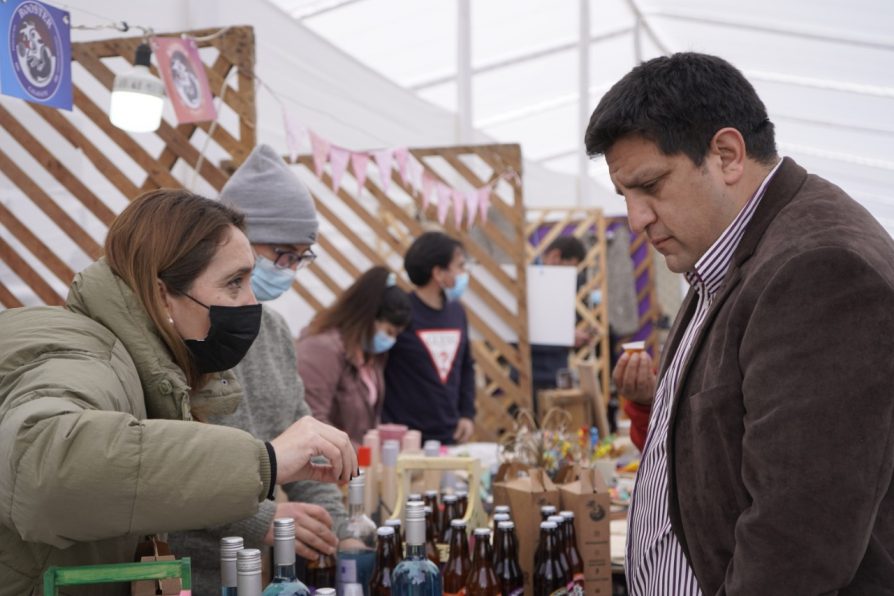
475	516
55	577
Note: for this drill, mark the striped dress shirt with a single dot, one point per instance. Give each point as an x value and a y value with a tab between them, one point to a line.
655	563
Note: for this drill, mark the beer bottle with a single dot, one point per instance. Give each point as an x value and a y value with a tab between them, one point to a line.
458	562
386	561
431	549
547	572
398	539
506	567
462	499
575	562
430	498
450	513
546	511
320	572
482	581
562	549
499	517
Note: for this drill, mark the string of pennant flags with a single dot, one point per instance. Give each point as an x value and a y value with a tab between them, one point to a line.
467	205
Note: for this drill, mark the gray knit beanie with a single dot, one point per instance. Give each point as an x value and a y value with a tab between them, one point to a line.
278	207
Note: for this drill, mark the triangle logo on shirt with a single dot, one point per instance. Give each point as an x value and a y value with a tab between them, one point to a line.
442	346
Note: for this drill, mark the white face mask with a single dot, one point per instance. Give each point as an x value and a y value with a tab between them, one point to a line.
459	287
268	281
381	343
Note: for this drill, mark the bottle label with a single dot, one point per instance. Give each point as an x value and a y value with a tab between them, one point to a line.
576	585
347	571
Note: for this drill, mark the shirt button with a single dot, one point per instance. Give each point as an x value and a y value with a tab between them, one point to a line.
164	386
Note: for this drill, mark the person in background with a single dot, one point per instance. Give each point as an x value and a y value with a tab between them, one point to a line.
99	400
342	353
546	361
769	463
281	225
430	376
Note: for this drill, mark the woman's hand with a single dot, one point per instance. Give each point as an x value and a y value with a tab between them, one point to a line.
299	446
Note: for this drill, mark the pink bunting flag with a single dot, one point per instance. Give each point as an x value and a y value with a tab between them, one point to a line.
383	158
444	195
471	206
320	148
401	154
415	170
484	202
428	186
359	162
338	158
459	200
295	135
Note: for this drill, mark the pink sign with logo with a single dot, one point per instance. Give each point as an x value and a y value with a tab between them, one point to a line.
185	80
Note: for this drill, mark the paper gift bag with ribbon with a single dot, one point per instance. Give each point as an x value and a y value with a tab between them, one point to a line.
154	549
525	496
589	499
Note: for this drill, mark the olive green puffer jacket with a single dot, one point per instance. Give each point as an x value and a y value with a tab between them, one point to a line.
97	446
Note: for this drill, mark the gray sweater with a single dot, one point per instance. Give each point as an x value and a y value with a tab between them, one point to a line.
273	399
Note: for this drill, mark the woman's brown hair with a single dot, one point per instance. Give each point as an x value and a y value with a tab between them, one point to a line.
370	298
169	235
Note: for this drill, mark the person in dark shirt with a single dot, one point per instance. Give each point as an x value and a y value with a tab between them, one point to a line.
430	377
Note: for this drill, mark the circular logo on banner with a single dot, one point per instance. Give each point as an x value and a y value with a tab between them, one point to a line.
35	46
185	80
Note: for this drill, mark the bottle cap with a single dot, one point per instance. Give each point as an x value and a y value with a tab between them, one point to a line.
431	493
501	509
449	499
432	448
548	509
393	523
229	546
412	441
428	508
357	481
415	510
482	532
284	528
364	456
385	531
547	525
390	449
567	514
556	518
248	561
501	517
325	591
462	494
414	497
506	525
457	523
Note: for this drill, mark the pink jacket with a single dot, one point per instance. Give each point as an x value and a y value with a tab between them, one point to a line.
333	385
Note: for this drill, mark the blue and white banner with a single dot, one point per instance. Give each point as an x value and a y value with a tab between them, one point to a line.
35	53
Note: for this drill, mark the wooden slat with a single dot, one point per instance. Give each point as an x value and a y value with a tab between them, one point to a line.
161	176
308	297
7	298
324	277
40	198
346	231
56	168
35	246
29	275
510	353
104	165
339	258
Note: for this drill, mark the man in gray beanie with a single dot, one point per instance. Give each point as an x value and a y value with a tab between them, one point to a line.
281	224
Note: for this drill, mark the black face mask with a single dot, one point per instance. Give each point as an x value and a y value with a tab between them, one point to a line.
233	329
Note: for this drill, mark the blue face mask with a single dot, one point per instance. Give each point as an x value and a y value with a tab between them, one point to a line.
459	288
381	342
268	281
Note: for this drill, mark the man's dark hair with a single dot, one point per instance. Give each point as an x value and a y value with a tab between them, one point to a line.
679	102
569	247
430	250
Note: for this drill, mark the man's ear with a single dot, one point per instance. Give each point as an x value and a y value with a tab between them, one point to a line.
729	145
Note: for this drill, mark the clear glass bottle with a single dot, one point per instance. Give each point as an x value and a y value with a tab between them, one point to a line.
386	561
356	543
482	581
459	560
416	575
575	562
229	546
506	567
285	580
248	572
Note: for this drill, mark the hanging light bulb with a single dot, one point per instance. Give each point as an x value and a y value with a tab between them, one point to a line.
137	96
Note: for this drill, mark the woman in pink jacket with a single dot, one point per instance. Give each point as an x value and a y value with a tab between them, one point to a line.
341	354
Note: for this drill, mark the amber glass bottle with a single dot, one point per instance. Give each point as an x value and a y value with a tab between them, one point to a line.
386	561
482	581
547	571
459	561
431	550
506	567
575	562
450	513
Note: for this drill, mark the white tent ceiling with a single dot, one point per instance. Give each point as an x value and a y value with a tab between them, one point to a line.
824	68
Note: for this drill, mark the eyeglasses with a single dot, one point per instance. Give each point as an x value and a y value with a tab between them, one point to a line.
286	259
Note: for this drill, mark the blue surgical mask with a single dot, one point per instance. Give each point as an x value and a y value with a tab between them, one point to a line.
268	281
459	288
381	342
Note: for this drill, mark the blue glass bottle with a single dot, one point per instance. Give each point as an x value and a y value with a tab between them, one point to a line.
356	544
285	581
229	546
416	575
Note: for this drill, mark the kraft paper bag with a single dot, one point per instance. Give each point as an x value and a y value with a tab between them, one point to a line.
154	549
589	499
